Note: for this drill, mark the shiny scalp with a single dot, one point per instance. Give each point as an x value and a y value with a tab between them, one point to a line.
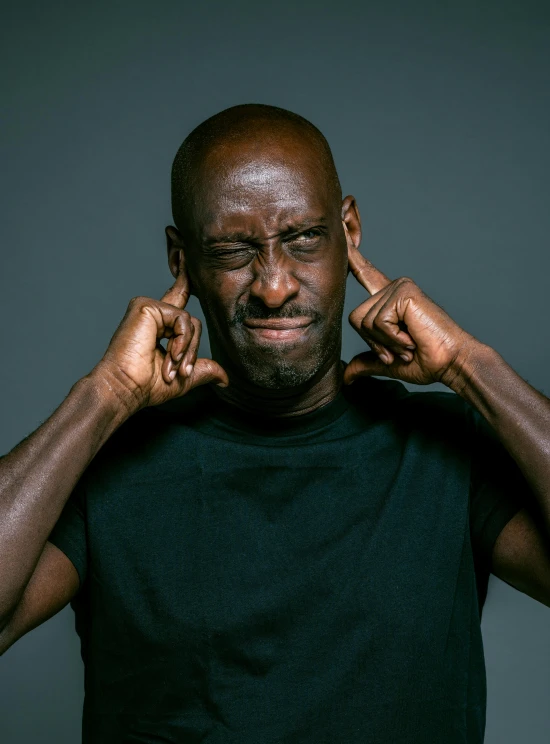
249	123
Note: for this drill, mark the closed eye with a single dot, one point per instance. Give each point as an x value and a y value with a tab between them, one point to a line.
228	252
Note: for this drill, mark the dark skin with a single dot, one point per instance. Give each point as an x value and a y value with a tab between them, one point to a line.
268	242
411	337
295	246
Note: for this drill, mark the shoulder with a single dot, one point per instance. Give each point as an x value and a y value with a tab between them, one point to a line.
393	395
154	431
184	410
432	411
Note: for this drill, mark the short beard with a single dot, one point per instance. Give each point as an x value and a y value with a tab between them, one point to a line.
269	367
277	373
278	377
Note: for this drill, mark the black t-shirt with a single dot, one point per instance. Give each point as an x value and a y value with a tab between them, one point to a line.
313	580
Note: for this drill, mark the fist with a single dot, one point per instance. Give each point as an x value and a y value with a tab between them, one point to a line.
136	367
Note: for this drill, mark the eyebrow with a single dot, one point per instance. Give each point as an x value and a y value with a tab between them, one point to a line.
243	237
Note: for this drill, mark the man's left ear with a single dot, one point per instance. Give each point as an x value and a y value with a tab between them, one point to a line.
175	247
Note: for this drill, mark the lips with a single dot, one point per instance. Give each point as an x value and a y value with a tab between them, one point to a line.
278	323
280	329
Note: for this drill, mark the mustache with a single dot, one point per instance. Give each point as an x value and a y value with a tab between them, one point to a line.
253	309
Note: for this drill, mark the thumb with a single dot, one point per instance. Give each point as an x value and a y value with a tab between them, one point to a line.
207	370
363	365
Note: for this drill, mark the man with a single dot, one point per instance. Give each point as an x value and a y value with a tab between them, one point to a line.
256	550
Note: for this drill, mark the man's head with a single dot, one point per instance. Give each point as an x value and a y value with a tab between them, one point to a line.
260	219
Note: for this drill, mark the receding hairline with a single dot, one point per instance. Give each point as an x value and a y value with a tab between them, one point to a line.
246	123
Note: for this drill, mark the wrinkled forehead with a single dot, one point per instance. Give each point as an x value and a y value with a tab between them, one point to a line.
271	184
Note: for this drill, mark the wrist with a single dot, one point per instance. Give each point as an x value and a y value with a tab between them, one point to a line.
462	374
113	398
92	412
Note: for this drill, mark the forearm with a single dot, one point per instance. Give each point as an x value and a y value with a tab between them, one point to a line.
38	476
518	413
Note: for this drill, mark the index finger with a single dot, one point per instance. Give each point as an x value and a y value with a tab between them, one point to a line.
178	294
365	272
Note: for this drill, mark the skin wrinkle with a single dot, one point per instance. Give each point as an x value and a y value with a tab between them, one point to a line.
258	186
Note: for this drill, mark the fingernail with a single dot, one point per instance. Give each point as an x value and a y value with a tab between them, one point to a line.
179	356
172	374
189	370
405	357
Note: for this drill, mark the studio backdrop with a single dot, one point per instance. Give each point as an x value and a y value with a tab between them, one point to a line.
438	115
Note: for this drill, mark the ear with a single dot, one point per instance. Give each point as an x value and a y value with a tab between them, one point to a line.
175	248
351	223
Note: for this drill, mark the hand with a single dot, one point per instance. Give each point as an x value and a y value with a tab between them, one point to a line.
135	366
411	337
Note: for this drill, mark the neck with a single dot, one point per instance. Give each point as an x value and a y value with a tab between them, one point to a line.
316	392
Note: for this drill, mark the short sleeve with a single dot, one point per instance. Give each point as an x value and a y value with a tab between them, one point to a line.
498	488
69	532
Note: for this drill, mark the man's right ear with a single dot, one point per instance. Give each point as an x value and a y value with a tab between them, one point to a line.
175	248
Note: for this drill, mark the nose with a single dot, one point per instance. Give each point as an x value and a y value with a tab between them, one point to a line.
273	283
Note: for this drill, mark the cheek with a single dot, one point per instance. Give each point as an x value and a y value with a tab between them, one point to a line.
327	281
220	291
336	292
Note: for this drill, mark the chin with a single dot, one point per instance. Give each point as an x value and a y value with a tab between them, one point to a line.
279	376
279	371
288	365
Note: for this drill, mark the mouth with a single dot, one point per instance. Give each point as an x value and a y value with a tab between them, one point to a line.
278	329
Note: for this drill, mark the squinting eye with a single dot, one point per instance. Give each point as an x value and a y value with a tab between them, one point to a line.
309	234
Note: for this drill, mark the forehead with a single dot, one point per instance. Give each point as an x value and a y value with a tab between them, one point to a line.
266	187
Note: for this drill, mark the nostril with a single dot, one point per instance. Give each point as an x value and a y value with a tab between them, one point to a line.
274	289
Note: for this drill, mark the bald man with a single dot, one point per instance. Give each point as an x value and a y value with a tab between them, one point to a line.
257	550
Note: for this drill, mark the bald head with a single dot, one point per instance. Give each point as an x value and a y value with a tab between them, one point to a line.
263	236
246	134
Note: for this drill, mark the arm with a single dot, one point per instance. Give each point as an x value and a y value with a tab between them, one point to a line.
414	340
518	413
520	416
38	476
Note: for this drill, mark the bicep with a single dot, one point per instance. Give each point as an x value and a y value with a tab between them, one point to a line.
51	587
521	557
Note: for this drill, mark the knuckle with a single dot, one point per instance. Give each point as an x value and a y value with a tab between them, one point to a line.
138	301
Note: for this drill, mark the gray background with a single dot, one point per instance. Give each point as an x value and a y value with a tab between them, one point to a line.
438	115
